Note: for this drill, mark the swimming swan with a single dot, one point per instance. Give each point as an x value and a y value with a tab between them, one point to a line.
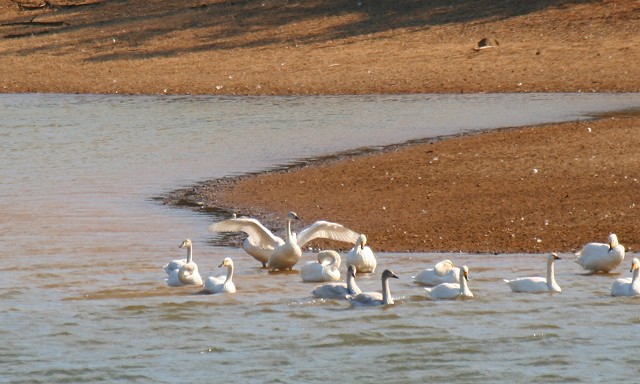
286	253
183	271
442	272
221	284
452	290
327	268
600	257
537	284
374	298
362	256
628	286
339	290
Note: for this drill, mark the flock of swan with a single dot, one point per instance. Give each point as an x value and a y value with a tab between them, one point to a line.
443	281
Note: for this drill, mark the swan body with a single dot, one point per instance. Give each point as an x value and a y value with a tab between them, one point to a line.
628	286
286	252
362	256
327	268
183	271
600	257
442	272
221	284
339	290
374	298
537	284
452	290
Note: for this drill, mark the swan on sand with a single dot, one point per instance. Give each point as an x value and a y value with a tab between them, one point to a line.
286	253
601	257
338	290
362	256
628	286
222	284
375	298
537	284
183	271
327	268
452	290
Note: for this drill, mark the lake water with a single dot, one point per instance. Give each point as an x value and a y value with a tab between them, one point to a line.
82	292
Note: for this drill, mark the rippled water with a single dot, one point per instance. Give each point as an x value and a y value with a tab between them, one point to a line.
82	291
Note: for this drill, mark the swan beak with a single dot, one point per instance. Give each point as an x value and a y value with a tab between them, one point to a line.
555	257
466	276
394	276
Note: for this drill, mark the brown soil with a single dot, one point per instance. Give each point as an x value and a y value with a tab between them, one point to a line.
471	193
311	47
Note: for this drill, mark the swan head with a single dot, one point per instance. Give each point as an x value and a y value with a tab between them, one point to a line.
613	240
464	271
226	262
185	244
635	264
362	240
351	270
292	216
388	274
552	257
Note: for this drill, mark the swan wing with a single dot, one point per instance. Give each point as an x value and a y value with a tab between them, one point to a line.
326	230
365	299
331	291
621	287
444	291
261	236
528	284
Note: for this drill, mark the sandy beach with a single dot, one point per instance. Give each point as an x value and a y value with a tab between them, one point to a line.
532	189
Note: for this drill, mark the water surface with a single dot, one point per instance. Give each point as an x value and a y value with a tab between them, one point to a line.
83	293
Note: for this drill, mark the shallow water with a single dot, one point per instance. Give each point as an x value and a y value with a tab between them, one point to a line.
83	293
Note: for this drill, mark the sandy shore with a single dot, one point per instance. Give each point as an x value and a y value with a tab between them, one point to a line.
549	188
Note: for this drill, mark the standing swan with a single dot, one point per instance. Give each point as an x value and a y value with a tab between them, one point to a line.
442	272
452	290
339	290
183	271
362	256
327	268
221	284
286	253
600	257
628	286
537	284
374	298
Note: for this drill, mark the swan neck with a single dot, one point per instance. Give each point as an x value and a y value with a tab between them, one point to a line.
229	273
551	278
189	254
352	287
634	279
386	292
288	231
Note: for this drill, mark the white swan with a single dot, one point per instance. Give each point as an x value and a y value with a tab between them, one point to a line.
600	257
452	290
327	268
374	298
177	263
338	290
537	284
221	284
185	275
183	271
362	256
286	253
628	286
442	272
